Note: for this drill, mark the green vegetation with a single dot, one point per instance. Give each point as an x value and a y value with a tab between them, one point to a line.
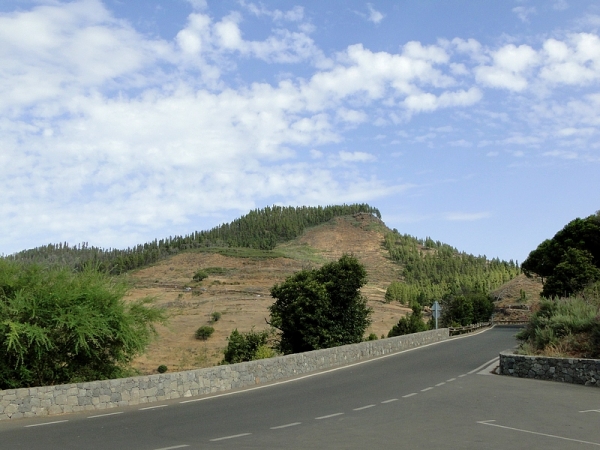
258	233
204	332
566	326
57	326
162	368
569	261
432	270
411	323
200	275
459	310
248	346
215	316
321	308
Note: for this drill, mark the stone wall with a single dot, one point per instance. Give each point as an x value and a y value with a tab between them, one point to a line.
99	395
567	370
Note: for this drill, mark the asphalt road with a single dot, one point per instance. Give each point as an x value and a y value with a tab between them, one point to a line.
434	397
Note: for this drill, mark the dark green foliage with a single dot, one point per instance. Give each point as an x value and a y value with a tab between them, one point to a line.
162	368
260	229
246	346
215	316
567	326
432	270
204	332
200	275
57	326
372	337
465	309
321	308
569	261
411	323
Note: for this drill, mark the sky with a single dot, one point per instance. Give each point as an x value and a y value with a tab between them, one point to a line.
473	122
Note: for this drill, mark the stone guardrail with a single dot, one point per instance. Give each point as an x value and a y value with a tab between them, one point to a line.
99	395
467	329
567	370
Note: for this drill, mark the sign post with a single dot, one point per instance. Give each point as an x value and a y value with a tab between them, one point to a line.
436	311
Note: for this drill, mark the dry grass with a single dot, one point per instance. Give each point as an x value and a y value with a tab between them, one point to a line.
242	296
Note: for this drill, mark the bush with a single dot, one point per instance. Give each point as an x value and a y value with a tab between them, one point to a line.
247	346
570	324
411	323
215	316
372	337
59	327
204	332
200	275
162	368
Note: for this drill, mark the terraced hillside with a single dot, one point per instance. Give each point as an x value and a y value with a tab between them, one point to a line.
240	289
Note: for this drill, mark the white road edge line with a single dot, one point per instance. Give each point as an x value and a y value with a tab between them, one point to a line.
590	410
363	407
409	395
104	415
390	400
485	365
286	426
487	422
328	416
152	407
230	437
172	448
45	423
310	375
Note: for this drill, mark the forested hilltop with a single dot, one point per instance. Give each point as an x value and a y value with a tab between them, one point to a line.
259	229
433	270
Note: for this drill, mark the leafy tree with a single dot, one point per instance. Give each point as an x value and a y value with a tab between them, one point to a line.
570	260
215	316
204	332
247	346
321	308
200	275
57	326
457	310
411	323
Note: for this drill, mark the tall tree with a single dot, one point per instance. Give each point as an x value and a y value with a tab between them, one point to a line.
321	308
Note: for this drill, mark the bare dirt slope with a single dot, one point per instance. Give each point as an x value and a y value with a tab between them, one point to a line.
241	292
508	299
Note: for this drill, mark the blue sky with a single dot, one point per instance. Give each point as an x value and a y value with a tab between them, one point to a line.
473	122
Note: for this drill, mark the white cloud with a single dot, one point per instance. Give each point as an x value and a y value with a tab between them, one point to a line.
296	14
562	154
374	15
523	12
510	68
356	156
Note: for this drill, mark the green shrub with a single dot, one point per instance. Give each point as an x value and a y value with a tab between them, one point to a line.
246	346
204	332
372	337
58	326
215	316
200	275
162	368
411	323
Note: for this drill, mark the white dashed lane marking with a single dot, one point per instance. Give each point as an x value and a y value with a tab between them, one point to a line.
152	407
286	426
328	416
233	436
363	407
105	415
173	448
45	423
390	400
426	389
409	395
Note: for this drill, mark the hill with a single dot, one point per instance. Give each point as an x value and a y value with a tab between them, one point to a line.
239	288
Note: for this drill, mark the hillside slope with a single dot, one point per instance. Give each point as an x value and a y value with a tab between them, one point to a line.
240	292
